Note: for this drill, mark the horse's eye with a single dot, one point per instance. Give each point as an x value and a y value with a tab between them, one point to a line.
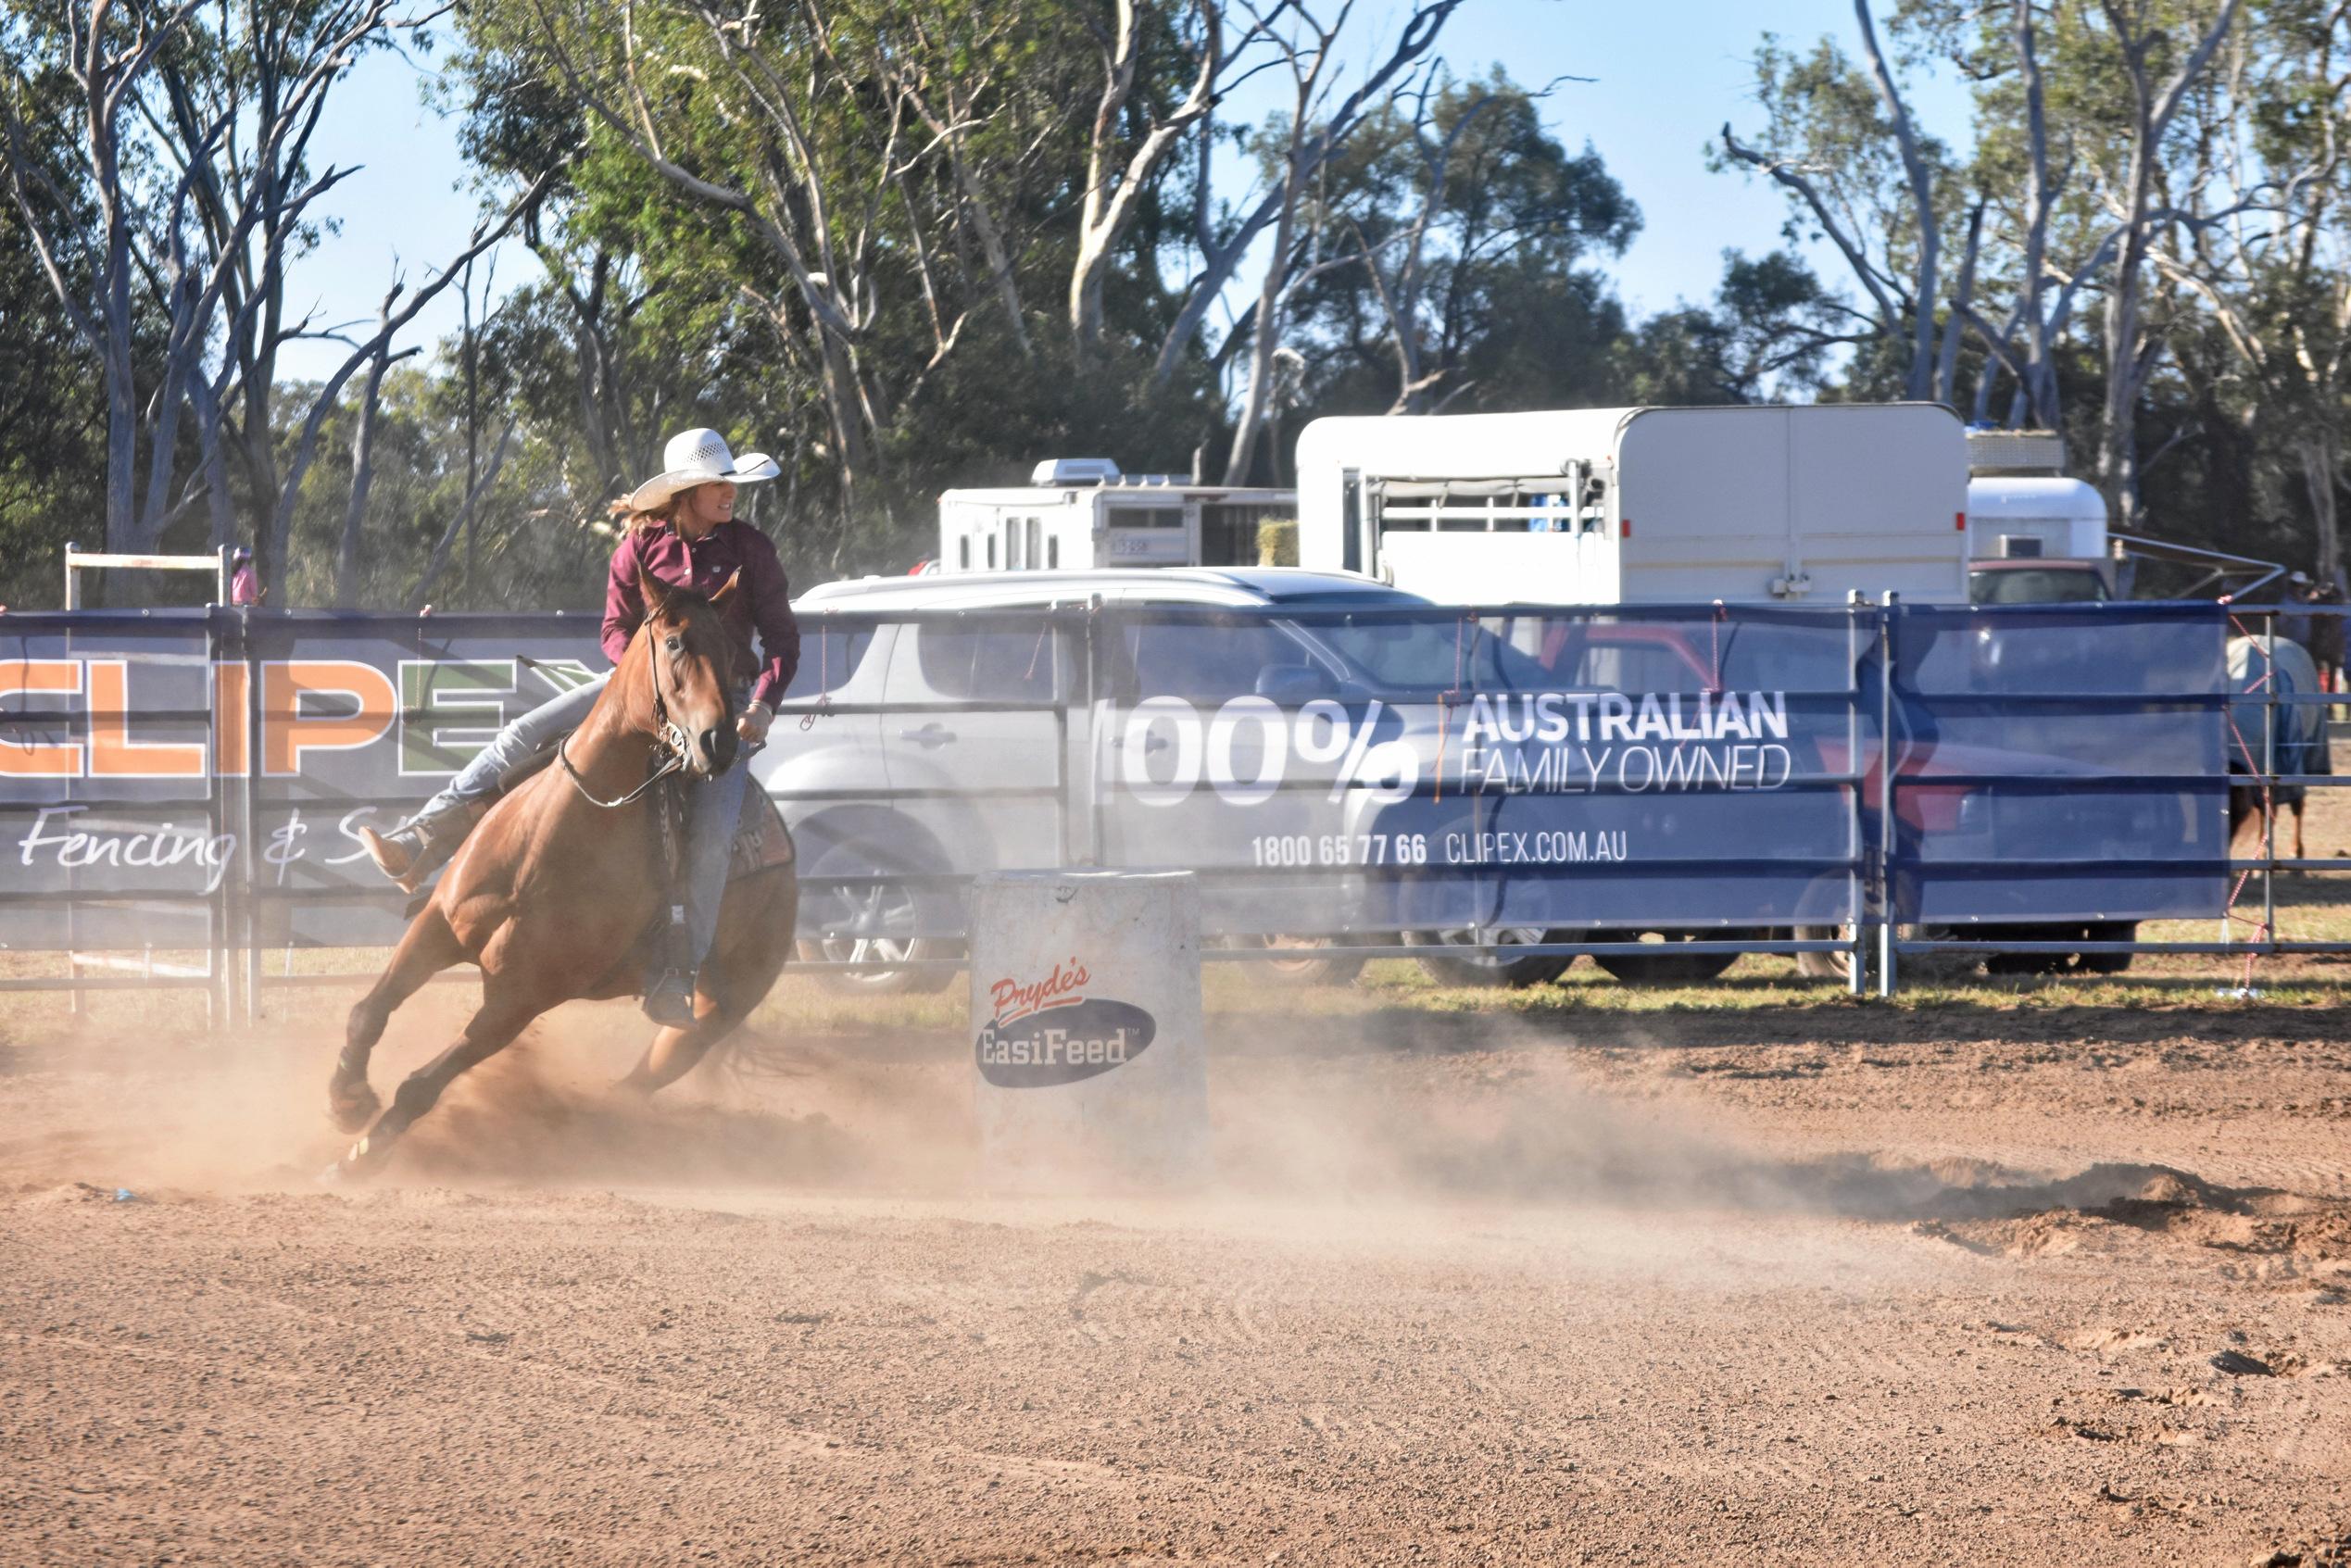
675	644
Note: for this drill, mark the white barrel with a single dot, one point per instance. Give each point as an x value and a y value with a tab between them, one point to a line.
1090	1071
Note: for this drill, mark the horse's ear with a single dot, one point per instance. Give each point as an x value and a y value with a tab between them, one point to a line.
725	596
655	592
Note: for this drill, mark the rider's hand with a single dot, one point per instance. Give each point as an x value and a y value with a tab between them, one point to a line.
752	726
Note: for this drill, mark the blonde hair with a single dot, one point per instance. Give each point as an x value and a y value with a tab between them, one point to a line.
625	513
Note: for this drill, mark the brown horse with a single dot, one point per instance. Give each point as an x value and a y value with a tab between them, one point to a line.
551	893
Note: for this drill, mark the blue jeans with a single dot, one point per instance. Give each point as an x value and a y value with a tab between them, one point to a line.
515	746
712	809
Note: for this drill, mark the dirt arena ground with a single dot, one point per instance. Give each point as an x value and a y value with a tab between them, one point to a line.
2023	1273
1814	1283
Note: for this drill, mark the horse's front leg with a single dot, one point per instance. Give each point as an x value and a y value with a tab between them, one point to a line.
490	1031
427	948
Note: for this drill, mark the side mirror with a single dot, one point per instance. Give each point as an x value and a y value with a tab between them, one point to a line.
1290	684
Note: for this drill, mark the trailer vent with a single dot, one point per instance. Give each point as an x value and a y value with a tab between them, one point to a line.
1058	471
2017	452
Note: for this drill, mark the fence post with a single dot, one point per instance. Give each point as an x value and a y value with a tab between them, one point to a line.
2270	789
248	863
1887	762
220	998
1857	841
1096	740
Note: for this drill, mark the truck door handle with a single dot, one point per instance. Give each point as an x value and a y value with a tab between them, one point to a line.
929	736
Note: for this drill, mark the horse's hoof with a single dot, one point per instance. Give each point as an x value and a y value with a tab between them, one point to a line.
353	1108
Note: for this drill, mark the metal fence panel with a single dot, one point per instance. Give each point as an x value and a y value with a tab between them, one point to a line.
2059	762
1384	771
197	779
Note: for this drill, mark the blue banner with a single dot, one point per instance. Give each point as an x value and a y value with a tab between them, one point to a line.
1328	770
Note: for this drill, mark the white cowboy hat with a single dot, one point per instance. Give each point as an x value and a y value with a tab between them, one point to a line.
700	457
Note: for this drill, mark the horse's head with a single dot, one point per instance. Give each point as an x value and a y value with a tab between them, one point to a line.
691	661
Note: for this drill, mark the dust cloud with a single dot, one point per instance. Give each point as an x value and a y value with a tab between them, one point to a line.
890	1113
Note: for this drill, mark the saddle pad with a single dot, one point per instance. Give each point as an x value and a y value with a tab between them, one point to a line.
760	838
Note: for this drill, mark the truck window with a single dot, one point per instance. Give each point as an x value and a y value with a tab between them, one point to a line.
1008	662
1635	667
828	659
1205	659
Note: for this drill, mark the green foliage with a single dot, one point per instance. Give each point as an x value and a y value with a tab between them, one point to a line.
846	234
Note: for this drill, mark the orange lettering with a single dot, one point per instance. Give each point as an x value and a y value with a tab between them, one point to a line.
227	719
113	754
287	731
39	759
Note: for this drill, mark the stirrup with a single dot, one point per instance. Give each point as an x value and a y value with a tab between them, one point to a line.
669	999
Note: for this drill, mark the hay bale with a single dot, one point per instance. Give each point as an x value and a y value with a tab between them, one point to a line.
1277	542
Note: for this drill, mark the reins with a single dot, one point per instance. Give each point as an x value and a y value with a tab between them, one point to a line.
668	738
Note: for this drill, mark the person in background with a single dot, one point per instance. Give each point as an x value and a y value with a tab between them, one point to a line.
244	584
681	529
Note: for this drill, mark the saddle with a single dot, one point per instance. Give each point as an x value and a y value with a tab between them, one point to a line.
761	841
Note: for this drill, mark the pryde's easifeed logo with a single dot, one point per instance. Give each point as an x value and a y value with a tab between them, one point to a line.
1049	1031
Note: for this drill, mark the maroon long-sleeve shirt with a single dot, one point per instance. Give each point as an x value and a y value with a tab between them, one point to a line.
704	566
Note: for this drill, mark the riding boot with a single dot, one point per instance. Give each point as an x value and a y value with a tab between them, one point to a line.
670	998
416	849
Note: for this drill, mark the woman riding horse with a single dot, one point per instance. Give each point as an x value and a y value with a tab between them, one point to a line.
682	530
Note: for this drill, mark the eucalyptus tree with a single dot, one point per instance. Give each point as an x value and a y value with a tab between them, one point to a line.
1452	226
192	127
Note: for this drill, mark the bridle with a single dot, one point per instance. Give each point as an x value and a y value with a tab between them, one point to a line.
669	740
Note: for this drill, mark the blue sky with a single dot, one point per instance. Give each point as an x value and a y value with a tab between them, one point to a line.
1668	74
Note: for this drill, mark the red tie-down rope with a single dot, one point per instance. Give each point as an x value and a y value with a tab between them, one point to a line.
1446	699
2261	932
823	678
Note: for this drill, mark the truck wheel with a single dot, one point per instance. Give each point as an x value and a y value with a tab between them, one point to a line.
2065	963
1668	967
868	923
1936	967
1305	967
2110	931
1491	969
873	912
1823	966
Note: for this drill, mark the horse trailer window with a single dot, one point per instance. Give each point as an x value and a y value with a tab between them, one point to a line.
1053	551
1228	533
963	552
1035	556
991	552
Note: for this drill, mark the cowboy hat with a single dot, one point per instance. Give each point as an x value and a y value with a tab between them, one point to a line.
700	457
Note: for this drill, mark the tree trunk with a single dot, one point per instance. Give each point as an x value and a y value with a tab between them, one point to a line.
346	559
1268	336
2321	457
